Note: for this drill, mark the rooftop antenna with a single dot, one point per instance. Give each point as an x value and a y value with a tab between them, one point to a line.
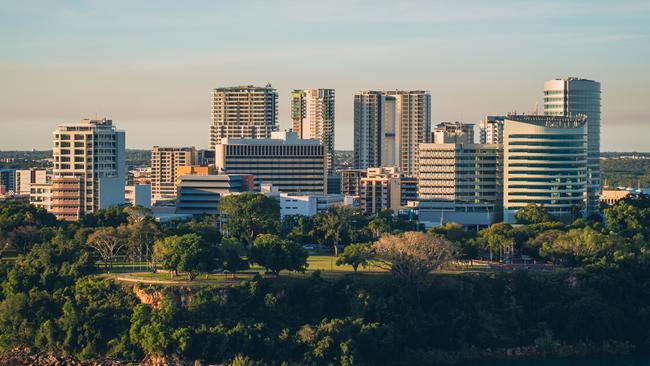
537	108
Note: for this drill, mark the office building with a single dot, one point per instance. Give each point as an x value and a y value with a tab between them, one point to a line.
25	178
389	126
164	162
245	112
453	133
459	183
491	130
572	97
7	181
89	168
385	188
545	162
200	194
312	114
351	181
292	165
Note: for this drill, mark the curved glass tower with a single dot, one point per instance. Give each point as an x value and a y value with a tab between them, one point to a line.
571	97
544	162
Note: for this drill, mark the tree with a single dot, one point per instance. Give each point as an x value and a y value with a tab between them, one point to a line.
187	253
22	225
249	214
142	234
355	255
138	213
334	224
276	254
108	242
412	255
111	216
582	246
498	237
533	214
232	253
630	217
378	226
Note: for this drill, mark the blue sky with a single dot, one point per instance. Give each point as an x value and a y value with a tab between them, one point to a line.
151	64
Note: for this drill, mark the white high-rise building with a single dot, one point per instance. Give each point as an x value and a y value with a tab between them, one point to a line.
575	96
89	168
491	129
313	115
243	112
389	126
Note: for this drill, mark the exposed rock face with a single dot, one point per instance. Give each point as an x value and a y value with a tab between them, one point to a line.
153	296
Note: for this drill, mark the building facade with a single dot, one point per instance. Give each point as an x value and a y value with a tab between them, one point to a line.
164	162
572	97
389	126
292	165
89	168
385	188
313	117
200	194
453	133
7	181
351	181
459	183
25	178
491	130
545	162
246	112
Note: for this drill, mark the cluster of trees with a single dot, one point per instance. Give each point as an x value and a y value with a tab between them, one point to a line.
51	298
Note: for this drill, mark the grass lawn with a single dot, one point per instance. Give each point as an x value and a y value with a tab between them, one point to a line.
136	272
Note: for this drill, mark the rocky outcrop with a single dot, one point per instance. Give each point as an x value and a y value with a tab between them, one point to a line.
153	296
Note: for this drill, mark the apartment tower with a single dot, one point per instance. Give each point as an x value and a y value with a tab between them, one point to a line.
248	112
89	168
312	113
164	163
572	97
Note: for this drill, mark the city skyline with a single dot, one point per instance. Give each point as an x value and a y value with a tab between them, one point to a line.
120	60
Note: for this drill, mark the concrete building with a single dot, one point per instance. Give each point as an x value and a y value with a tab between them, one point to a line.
459	183
351	181
164	162
611	196
40	195
388	126
545	162
7	181
312	113
307	205
25	178
138	195
385	188
292	165
491	130
89	168
572	97
200	194
245	112
453	133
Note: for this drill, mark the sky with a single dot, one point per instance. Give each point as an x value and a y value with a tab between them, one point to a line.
150	65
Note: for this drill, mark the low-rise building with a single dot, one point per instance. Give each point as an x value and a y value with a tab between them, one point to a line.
611	196
307	205
200	194
385	188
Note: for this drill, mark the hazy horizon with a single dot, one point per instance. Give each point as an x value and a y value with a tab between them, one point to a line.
150	66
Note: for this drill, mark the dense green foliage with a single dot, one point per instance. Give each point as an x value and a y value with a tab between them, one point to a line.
54	297
626	172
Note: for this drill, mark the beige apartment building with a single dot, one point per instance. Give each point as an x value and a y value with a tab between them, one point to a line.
247	112
313	115
89	168
164	164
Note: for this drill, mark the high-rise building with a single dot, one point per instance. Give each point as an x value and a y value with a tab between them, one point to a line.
292	165
164	162
491	128
572	97
26	177
312	113
459	183
89	168
389	126
247	112
351	181
545	162
453	133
